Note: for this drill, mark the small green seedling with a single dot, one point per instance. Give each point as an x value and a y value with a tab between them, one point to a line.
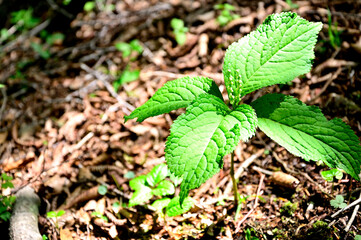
55	215
126	77
24	19
102	189
279	50
89	6
179	30
127	49
6	202
41	50
329	175
289	208
226	15
99	215
291	5
333	33
338	202
154	184
249	232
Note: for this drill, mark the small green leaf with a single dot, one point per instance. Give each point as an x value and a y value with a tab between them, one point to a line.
180	37
140	196
6	177
54	38
160	204
60	213
44	53
135	45
174	208
102	189
338	202
279	50
51	214
200	138
164	188
5	215
358	237
2	85
88	6
175	94
330	174
305	132
125	48
129	76
129	175
176	23
157	174
138	182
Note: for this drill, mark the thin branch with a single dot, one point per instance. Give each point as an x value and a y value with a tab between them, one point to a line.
105	80
349	224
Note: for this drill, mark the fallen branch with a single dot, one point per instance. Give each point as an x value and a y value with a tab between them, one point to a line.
24	219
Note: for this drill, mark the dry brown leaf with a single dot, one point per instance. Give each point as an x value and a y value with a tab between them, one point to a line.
65	234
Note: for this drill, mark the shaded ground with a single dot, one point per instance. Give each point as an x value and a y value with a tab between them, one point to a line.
63	130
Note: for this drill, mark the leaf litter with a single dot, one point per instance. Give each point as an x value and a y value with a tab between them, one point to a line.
64	132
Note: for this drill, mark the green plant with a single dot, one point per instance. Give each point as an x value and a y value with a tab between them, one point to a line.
226	16
99	215
338	202
332	173
128	48
89	6
55	215
333	33
291	4
179	30
102	189
358	237
280	49
6	202
249	232
154	184
41	50
289	208
126	76
24	19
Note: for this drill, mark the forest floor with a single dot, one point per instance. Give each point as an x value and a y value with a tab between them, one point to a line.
62	127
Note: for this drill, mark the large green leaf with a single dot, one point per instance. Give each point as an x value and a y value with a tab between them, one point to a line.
202	136
175	94
279	50
304	131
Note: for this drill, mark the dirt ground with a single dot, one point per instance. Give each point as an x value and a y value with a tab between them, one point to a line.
62	127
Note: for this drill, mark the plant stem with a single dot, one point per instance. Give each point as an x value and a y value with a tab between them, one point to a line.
235	189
